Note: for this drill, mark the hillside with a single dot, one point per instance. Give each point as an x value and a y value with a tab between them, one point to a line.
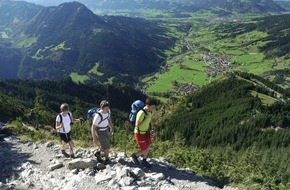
175	8
232	130
17	97
214	116
69	39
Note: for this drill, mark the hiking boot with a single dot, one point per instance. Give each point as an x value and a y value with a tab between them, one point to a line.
72	156
99	158
135	159
65	154
146	164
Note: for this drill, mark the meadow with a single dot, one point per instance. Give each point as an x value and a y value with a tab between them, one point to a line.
198	38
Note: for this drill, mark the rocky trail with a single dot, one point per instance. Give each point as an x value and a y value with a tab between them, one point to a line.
27	165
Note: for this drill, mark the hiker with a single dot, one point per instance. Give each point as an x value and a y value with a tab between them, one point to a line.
142	131
100	129
33	120
63	125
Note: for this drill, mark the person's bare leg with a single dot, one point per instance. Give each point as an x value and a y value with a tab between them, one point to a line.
106	153
64	147
71	146
143	153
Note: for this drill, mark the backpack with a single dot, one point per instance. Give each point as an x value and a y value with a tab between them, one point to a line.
91	114
135	108
60	121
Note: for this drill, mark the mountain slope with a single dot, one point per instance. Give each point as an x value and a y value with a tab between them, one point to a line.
69	38
17	97
229	113
278	33
14	13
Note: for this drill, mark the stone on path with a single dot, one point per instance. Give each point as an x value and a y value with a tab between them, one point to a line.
82	163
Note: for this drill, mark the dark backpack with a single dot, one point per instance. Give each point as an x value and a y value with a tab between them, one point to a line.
60	117
135	108
91	114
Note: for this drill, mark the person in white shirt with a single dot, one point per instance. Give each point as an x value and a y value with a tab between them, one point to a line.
63	125
101	129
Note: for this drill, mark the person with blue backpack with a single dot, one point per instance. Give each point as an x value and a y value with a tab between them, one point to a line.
101	129
63	126
142	132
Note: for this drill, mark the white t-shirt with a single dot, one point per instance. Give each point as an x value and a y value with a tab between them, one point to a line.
104	124
66	120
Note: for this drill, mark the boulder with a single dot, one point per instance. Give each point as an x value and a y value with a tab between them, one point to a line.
82	163
49	144
100	177
55	166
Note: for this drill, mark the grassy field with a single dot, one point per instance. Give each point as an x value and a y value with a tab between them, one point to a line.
4	35
186	71
78	78
94	70
60	47
26	42
266	100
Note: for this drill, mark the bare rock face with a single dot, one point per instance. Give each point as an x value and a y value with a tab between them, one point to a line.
23	166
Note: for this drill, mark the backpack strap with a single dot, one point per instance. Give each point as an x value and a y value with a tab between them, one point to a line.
60	118
101	116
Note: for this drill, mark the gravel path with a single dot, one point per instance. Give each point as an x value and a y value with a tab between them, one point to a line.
26	165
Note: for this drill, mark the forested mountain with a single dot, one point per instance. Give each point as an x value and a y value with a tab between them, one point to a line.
230	112
17	97
176	7
53	42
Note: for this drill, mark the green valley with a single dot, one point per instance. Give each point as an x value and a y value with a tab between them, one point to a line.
208	49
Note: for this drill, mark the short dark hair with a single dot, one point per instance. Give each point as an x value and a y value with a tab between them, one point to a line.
151	101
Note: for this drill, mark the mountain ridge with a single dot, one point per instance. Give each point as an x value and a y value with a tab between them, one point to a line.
70	38
174	6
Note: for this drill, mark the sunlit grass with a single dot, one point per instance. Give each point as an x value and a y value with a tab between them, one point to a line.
79	78
27	42
4	35
94	70
266	100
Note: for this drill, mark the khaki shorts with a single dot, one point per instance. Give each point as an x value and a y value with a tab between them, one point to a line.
104	139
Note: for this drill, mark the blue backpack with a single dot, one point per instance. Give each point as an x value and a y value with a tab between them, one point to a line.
92	112
135	108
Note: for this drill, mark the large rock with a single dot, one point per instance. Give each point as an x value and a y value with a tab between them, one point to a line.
138	172
126	181
82	163
122	172
55	166
49	144
155	176
100	177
